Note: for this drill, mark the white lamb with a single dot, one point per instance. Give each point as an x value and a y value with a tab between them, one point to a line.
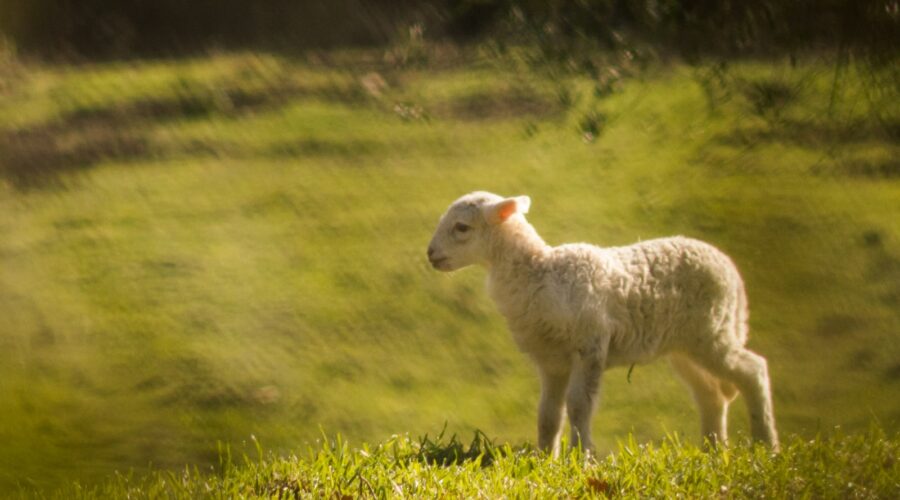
579	309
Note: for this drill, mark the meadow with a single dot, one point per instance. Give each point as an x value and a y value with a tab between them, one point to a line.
199	250
862	465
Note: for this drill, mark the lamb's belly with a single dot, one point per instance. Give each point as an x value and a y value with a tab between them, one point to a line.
626	358
639	346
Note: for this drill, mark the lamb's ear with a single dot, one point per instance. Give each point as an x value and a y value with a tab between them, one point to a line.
497	213
523	203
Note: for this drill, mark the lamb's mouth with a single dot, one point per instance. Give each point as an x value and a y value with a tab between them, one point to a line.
437	263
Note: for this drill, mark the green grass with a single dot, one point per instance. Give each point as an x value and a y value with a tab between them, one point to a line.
194	251
864	465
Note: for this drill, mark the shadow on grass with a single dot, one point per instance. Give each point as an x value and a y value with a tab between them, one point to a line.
827	136
812	133
36	157
498	105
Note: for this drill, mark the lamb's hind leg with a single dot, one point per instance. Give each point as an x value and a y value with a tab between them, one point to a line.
708	394
749	372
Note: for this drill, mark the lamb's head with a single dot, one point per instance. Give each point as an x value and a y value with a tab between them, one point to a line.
463	233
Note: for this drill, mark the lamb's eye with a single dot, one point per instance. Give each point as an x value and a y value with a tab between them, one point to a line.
461	228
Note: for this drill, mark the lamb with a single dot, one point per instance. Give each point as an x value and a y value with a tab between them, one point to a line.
579	309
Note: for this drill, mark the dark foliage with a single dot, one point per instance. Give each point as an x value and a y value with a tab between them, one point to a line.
723	27
120	27
691	27
454	452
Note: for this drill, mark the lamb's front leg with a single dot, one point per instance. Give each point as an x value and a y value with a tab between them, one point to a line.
584	391
554	380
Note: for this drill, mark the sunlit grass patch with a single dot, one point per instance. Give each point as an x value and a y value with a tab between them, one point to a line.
832	466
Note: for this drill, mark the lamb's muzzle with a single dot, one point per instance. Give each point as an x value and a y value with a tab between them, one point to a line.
436	261
579	309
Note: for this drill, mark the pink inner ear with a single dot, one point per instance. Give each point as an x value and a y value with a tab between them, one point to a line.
506	210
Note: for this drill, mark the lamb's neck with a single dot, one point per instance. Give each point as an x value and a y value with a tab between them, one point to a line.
515	249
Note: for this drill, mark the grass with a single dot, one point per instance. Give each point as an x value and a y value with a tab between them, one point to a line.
864	465
198	250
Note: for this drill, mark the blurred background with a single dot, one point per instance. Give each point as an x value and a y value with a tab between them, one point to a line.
214	214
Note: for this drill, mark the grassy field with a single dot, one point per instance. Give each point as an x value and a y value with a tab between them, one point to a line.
837	466
195	251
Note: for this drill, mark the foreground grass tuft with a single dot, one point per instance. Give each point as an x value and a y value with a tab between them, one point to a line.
860	465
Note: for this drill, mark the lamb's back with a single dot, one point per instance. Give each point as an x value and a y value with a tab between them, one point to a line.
646	296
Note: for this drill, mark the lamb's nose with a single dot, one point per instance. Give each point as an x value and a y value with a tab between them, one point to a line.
430	252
